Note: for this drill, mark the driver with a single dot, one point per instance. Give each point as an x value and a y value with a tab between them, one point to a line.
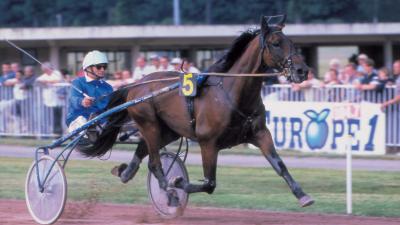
89	94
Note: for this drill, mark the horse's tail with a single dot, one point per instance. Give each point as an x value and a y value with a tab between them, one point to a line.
110	132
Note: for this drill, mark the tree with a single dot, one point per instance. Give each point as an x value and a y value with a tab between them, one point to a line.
42	13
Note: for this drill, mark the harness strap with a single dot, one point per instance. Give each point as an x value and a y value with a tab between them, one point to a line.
248	119
190	107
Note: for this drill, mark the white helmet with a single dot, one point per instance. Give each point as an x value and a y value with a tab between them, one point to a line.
93	58
176	61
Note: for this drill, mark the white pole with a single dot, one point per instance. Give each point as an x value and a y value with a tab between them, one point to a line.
177	13
349	207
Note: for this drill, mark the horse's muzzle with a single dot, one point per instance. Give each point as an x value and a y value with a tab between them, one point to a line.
299	74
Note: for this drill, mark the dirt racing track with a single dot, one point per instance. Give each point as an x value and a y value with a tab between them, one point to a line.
14	212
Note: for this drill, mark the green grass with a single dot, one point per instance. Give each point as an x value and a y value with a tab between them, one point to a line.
375	193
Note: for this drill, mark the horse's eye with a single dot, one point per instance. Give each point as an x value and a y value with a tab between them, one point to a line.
275	44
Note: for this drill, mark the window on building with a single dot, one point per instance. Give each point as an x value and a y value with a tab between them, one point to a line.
28	61
169	54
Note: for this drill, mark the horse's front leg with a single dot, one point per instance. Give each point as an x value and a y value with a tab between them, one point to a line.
209	155
263	140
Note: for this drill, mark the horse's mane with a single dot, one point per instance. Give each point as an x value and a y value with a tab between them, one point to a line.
235	51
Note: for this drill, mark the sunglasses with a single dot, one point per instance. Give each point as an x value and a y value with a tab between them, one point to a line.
99	66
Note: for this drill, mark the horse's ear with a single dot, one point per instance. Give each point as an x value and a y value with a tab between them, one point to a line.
282	20
264	25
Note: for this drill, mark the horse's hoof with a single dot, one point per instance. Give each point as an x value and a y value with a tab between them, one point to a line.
117	170
175	211
128	174
176	182
306	201
173	199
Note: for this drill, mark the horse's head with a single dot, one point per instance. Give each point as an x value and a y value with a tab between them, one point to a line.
278	51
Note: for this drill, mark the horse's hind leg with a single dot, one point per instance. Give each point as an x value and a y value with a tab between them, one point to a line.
264	141
152	134
127	171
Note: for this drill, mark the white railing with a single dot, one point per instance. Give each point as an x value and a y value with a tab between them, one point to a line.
38	111
29	112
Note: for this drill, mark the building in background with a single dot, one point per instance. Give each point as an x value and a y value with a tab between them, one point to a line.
65	47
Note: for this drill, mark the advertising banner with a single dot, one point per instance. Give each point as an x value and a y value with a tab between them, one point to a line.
327	126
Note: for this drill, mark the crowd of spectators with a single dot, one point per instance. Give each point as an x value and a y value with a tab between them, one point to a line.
50	76
53	89
360	75
143	68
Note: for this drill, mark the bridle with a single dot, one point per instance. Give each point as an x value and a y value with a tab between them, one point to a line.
286	67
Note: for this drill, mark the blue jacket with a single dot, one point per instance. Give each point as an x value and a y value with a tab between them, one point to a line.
97	89
5	77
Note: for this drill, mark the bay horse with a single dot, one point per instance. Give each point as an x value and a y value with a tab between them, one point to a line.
228	111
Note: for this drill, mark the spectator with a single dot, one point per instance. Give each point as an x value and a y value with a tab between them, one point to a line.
27	84
155	64
396	70
62	91
188	67
7	73
165	66
116	82
67	77
361	60
333	93
126	77
23	96
311	82
25	79
53	105
176	63
334	64
20	97
370	80
308	86
29	78
350	75
332	77
141	69
15	67
384	79
396	73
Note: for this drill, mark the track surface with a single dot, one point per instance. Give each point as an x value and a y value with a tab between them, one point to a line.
14	212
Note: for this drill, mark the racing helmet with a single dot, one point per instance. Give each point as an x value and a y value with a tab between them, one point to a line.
93	58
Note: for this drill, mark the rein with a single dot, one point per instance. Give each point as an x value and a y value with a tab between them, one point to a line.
246	74
207	74
286	70
211	74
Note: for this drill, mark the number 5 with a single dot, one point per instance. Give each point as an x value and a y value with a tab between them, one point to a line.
187	85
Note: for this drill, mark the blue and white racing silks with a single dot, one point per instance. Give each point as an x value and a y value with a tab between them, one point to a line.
97	89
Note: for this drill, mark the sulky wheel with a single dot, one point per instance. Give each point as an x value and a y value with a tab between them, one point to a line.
46	204
158	196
